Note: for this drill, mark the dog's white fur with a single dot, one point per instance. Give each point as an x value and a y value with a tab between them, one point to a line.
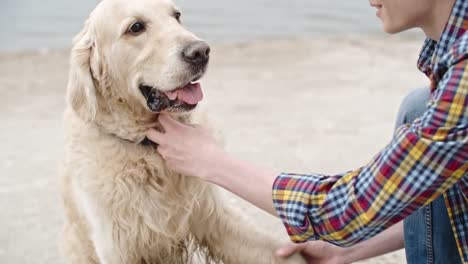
122	204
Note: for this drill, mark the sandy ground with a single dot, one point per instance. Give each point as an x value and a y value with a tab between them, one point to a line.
319	105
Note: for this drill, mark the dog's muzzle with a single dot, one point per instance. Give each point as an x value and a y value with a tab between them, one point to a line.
156	100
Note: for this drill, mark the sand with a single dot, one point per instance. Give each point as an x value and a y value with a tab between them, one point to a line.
305	105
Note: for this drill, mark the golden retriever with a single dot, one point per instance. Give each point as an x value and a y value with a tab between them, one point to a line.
132	60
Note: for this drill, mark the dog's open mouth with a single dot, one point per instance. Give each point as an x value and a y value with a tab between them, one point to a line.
184	98
190	94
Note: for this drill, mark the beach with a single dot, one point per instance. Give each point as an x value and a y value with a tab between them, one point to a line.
307	105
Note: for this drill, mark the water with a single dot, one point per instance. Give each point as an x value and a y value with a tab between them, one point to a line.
34	24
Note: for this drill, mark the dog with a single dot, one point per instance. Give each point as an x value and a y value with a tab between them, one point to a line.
132	61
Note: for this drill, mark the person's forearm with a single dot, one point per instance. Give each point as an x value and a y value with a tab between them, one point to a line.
388	241
254	184
244	179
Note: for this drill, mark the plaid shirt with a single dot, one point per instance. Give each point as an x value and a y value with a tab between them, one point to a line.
425	159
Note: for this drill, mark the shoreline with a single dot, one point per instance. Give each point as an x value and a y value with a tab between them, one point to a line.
407	36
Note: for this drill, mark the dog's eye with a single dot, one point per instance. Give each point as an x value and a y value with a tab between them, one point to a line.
177	15
136	28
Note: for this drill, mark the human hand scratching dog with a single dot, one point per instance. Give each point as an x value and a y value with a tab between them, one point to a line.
191	150
187	149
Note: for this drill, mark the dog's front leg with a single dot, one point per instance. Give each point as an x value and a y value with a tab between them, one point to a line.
229	238
109	243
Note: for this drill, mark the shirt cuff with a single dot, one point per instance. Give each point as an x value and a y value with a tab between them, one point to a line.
291	199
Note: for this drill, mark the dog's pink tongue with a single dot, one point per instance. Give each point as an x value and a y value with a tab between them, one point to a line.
190	94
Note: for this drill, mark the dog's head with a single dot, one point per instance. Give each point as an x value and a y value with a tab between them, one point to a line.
138	55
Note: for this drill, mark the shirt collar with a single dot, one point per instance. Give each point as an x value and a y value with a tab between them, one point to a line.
433	51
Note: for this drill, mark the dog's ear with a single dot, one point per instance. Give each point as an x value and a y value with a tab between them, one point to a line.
81	90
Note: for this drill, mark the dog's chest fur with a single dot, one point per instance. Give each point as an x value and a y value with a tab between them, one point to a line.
125	186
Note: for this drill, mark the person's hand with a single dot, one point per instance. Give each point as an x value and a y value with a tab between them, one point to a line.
315	252
190	150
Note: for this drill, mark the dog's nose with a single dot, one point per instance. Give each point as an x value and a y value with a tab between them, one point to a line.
197	53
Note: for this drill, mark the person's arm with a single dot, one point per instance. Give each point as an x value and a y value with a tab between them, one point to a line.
386	242
423	160
254	186
191	150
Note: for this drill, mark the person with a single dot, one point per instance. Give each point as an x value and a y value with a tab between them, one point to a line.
413	193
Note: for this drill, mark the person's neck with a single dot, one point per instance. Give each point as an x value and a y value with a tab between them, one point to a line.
434	26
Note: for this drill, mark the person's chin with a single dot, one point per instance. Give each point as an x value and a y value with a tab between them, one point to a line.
393	29
390	30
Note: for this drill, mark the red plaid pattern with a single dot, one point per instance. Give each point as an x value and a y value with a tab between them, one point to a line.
425	159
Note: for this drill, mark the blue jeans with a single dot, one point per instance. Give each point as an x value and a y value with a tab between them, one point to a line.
428	233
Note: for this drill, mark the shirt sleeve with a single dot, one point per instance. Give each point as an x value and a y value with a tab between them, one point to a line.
423	160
